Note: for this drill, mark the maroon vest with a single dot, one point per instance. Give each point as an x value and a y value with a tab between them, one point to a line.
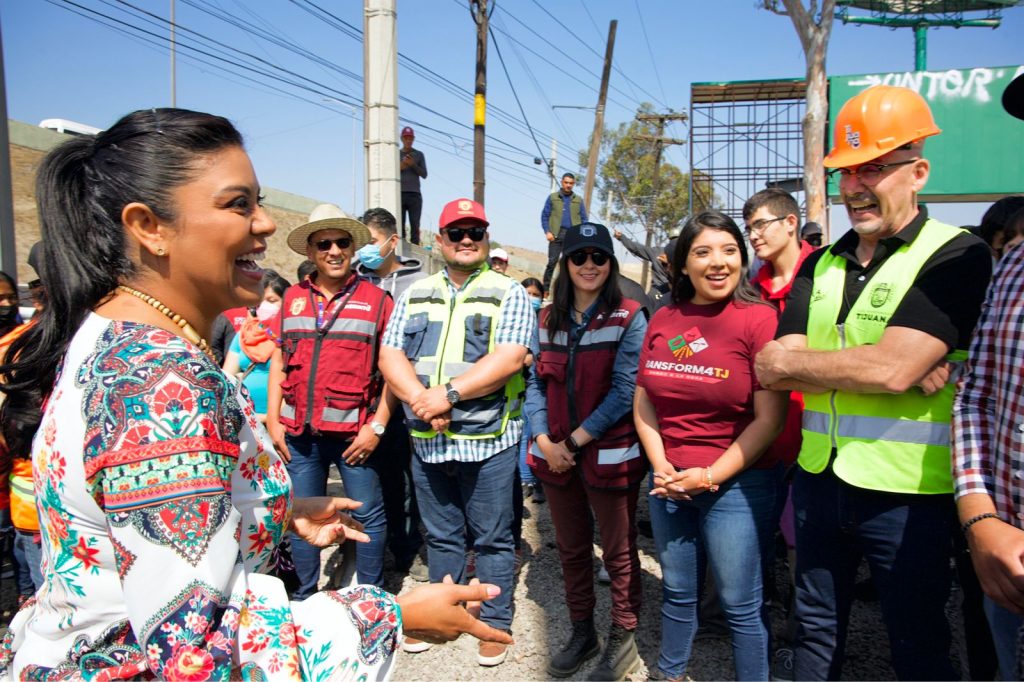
331	376
577	378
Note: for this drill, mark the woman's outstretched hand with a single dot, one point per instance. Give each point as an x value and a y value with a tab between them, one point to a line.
442	611
322	521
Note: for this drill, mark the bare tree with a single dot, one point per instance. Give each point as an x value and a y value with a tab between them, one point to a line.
813	26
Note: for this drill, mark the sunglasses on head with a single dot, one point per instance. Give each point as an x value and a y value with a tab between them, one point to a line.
599	258
457	234
325	244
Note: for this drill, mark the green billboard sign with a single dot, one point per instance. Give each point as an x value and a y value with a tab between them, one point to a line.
980	153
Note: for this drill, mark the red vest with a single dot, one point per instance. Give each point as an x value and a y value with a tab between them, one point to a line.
331	374
577	379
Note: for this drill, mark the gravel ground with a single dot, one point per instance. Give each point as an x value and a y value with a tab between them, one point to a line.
541	622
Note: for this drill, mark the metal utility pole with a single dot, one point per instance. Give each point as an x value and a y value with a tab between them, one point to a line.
174	86
8	257
478	9
660	141
595	139
380	106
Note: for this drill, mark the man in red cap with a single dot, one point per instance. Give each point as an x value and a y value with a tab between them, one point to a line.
413	167
453	353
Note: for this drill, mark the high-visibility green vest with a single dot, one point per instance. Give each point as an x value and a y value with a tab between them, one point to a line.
445	336
894	443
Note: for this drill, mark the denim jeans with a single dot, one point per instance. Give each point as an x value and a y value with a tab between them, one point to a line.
478	496
28	559
905	539
1006	636
312	457
391	461
729	530
525	472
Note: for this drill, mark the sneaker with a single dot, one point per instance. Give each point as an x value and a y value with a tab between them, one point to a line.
411	645
517	564
602	575
491	653
619	658
783	665
418	570
538	494
470	564
581	646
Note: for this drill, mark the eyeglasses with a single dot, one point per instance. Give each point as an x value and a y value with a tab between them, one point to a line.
759	226
868	173
599	258
457	234
325	244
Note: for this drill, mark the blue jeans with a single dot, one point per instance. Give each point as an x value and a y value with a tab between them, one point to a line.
731	530
312	457
525	472
1005	628
28	560
478	496
905	539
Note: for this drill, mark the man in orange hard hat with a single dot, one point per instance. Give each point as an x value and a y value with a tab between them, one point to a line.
872	333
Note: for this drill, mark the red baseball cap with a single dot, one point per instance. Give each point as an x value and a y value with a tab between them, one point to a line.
407	132
463	210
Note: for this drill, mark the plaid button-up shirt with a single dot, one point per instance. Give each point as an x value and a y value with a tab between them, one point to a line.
988	415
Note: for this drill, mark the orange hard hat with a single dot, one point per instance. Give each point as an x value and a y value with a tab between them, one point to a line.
876	121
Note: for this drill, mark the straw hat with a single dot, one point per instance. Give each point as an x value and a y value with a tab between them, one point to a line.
328	217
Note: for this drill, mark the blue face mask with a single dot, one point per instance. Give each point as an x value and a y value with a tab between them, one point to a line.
535	301
370	256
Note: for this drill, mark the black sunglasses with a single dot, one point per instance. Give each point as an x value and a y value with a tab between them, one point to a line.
599	258
325	244
457	234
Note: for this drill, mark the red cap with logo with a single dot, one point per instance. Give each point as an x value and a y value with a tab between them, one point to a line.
463	210
407	132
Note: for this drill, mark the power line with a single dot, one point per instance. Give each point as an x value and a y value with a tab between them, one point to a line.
501	59
650	52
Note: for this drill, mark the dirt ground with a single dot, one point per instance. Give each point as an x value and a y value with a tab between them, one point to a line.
541	623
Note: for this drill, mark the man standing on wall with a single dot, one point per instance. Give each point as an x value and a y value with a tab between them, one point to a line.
562	209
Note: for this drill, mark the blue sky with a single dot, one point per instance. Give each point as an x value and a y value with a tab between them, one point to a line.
61	64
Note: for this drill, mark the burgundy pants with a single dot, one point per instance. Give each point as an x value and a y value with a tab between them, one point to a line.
573	510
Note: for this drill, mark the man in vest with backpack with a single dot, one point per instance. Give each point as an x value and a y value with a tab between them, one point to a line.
873	334
562	209
453	353
326	400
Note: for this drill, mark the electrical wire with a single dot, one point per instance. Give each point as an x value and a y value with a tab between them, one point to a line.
650	52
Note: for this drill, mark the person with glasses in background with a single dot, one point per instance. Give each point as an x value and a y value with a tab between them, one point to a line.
874	331
326	401
453	353
585	449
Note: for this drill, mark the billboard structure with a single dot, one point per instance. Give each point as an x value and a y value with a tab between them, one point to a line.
978	155
747	135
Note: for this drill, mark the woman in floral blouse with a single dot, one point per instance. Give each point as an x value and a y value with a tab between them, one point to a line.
161	498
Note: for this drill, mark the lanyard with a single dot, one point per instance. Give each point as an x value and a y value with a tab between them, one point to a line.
338	300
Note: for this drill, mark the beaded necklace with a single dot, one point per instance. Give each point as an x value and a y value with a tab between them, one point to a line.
187	330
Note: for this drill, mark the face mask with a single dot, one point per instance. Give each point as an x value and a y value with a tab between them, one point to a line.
371	257
267	310
8	314
535	302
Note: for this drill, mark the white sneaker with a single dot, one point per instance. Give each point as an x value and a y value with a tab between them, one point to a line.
411	645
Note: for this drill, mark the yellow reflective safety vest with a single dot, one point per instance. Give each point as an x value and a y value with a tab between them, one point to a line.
894	443
444	336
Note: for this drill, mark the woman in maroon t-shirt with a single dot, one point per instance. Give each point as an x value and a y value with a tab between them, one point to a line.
704	422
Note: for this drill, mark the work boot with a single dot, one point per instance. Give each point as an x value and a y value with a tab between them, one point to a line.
582	645
619	657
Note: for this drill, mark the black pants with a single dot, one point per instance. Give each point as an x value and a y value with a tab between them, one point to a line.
412	203
554	253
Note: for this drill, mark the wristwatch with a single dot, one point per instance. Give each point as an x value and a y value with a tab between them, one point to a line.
377	427
571	445
451	394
